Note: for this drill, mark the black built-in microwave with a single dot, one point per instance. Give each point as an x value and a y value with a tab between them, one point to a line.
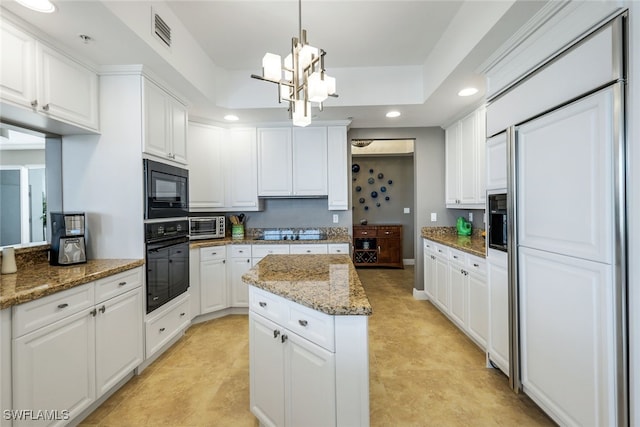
166	190
498	221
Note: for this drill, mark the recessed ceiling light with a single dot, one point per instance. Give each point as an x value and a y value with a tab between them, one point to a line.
44	6
468	91
392	114
231	117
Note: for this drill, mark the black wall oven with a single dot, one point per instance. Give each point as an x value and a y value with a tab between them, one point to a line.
166	190
167	261
498	221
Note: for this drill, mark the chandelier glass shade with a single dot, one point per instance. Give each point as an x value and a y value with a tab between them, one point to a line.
300	76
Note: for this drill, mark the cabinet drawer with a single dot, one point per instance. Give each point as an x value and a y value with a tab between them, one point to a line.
241	251
441	251
308	249
44	311
364	231
162	327
476	265
212	253
457	257
118	284
338	248
311	324
389	231
429	246
266	304
261	251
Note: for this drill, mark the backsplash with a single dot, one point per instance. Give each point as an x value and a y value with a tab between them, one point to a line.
30	255
328	232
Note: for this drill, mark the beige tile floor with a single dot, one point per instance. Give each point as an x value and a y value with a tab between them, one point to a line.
423	372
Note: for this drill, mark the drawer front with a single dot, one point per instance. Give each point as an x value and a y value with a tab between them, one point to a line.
389	231
457	257
266	304
364	232
213	253
308	249
476	265
163	327
41	312
428	246
118	284
261	251
338	248
241	251
441	251
311	324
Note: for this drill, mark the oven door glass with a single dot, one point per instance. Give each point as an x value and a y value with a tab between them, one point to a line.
157	278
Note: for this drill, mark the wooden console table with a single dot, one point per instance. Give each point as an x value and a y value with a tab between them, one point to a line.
377	246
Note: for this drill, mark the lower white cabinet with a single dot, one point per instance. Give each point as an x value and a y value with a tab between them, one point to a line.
166	323
498	281
308	249
83	349
240	263
213	279
458	289
338	248
478	306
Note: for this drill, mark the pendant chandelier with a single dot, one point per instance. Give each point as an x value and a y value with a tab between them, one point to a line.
301	78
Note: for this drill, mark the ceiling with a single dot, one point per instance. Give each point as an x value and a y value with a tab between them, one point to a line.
411	56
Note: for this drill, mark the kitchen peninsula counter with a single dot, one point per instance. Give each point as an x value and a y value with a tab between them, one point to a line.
41	279
474	244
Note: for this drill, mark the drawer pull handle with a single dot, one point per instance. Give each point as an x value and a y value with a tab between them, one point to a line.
262	304
162	329
303	323
284	338
214	253
364	232
308	251
45	107
93	312
34	103
102	309
63	305
270	252
276	333
248	260
386	232
182	314
241	251
156	298
338	250
476	265
122	283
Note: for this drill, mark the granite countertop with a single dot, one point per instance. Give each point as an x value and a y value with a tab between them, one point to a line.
41	279
194	244
326	283
474	244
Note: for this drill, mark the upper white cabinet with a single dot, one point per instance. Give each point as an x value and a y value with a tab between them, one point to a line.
42	79
497	162
337	169
223	169
165	124
465	162
292	162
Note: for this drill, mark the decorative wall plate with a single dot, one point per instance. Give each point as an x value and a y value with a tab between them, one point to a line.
390	182
374	194
387	198
366	208
380	175
355	168
358	188
383	189
371	180
378	204
361	199
370	170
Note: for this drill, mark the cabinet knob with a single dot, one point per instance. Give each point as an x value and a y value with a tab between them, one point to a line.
224	261
45	107
455	257
63	305
308	251
476	265
248	260
276	333
122	283
93	312
303	322
162	329
338	250
284	338
262	304
34	103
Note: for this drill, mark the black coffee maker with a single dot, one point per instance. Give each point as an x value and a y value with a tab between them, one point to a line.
67	238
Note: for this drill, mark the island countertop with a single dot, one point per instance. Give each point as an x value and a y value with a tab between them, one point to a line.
326	283
41	279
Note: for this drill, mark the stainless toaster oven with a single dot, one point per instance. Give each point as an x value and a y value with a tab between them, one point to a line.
210	227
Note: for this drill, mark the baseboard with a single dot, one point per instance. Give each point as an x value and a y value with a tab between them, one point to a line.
408	261
218	314
420	294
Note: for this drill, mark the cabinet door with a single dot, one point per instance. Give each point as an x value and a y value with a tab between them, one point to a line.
480	143
306	364
478	320
467	160
458	295
242	172
496	162
67	89
442	284
178	130
118	338
389	250
207	167
239	289
17	68
156	139
310	161
337	169
452	164
274	162
266	371
430	275
213	285
54	366
498	348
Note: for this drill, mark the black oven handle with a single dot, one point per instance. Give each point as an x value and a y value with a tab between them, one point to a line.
156	246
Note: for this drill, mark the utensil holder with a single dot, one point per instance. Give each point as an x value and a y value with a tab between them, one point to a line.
9	261
237	231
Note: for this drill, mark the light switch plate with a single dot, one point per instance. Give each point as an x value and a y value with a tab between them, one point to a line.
407	210
335	218
434	216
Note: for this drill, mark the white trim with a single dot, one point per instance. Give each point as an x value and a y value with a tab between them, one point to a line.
420	294
409	261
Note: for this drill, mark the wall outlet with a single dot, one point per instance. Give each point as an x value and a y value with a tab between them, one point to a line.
471	216
407	210
335	218
434	216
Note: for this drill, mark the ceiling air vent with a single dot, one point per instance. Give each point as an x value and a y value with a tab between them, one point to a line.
161	29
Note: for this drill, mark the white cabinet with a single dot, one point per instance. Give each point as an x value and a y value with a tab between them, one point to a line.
465	162
308	248
240	263
260	251
338	248
292	162
429	269
165	124
166	323
478	306
442	280
498	283
223	169
338	178
213	279
71	347
496	155
458	288
42	79
5	363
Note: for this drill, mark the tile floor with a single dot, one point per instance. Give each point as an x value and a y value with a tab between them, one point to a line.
423	372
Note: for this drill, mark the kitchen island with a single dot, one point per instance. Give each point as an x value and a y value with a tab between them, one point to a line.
308	341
